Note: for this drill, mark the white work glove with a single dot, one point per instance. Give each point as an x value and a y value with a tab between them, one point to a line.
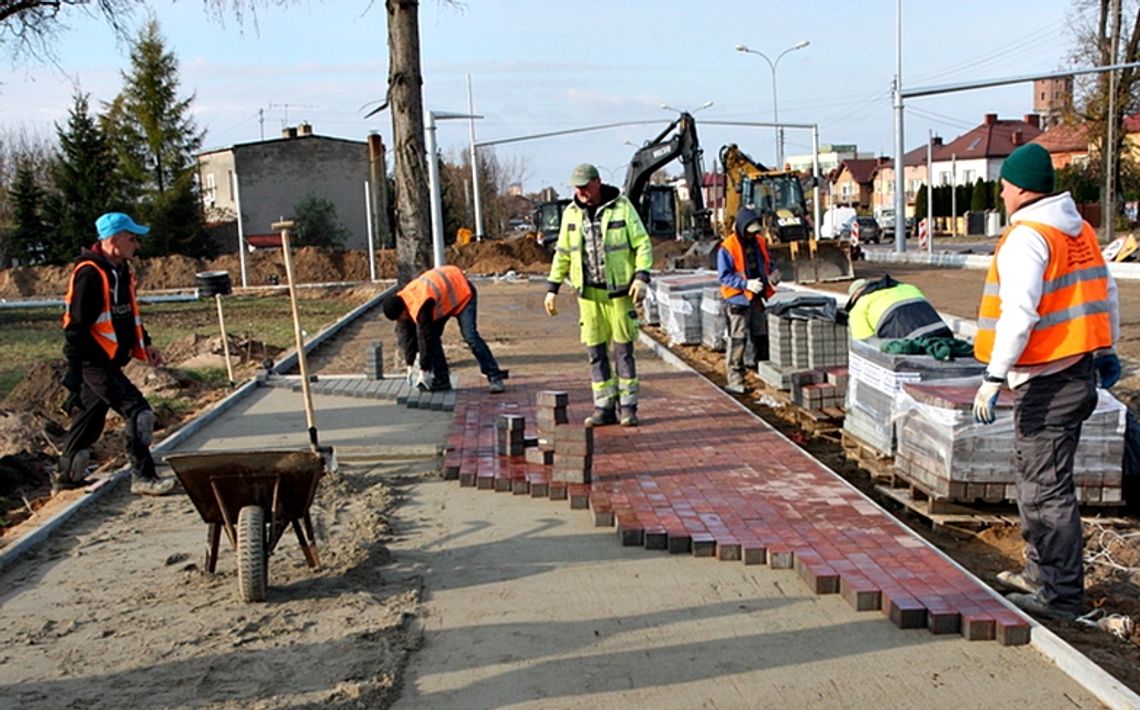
755	285
775	277
985	402
411	374
637	290
549	305
423	382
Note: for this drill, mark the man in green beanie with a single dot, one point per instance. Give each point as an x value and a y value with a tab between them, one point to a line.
1046	326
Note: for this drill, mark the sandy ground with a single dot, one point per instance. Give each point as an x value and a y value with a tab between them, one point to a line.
522	602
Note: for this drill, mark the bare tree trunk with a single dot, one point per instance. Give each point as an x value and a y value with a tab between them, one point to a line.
405	83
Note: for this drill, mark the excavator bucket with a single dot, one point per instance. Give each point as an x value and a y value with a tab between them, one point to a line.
812	261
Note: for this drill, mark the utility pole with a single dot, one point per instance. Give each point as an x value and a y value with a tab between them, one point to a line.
900	177
1109	203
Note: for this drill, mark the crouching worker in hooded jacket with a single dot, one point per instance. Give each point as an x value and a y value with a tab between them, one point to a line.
747	277
102	332
421	310
605	251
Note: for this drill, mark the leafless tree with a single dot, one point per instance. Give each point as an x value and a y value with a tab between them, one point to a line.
28	27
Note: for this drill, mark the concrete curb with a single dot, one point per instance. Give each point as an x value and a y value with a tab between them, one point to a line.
1071	662
13	551
1121	271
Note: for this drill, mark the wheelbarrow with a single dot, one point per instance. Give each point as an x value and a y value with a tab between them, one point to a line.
254	496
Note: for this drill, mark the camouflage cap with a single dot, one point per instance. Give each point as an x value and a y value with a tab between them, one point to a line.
583	174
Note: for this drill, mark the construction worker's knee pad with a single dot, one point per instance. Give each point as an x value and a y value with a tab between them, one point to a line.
142	427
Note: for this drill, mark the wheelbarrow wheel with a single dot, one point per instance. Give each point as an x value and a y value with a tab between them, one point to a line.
253	562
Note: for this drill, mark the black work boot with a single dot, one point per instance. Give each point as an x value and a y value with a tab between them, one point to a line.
629	416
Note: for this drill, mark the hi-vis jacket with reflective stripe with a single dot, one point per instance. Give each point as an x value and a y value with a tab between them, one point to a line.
103	329
446	286
734	249
627	247
1074	310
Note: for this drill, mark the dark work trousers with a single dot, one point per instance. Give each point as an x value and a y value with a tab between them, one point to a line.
468	318
1047	416
747	339
468	328
104	389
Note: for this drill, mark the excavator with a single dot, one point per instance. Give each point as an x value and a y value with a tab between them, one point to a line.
778	197
657	204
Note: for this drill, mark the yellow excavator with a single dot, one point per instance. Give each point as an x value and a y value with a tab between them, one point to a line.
778	197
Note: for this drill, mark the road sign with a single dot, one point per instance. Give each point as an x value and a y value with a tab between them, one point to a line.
855	232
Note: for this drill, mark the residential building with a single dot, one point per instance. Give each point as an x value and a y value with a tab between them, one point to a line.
914	177
1067	144
852	184
830	156
273	175
979	153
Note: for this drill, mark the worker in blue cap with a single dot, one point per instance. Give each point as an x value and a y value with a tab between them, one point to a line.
102	332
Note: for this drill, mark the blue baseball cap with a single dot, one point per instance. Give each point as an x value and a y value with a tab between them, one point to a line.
112	223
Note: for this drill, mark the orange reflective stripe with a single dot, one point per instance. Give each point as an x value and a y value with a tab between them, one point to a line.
103	329
446	286
735	249
1075	312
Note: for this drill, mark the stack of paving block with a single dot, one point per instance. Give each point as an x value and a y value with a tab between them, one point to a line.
374	361
714	323
551	413
943	452
512	437
573	454
679	305
799	344
820	389
876	377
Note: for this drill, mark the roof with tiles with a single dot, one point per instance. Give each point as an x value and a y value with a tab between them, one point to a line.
994	138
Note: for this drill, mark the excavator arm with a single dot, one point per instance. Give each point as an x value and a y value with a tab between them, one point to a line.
677	141
779	199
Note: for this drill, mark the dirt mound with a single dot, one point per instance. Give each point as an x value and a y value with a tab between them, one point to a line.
500	256
174	271
27	281
198	350
41	388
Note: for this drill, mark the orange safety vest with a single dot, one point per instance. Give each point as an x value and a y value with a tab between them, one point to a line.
735	249
1074	307
103	331
447	286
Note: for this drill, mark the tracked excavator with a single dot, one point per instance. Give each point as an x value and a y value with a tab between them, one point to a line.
778	196
657	204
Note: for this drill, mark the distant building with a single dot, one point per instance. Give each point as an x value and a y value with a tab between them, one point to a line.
1053	100
979	153
273	175
830	156
1068	144
515	189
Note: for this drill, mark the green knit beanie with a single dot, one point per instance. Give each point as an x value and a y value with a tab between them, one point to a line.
1030	168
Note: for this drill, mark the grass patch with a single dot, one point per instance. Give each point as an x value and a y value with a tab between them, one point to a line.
212	377
33	335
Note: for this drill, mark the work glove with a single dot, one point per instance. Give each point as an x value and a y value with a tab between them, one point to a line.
637	290
423	381
775	277
985	402
410	374
549	305
1107	369
755	285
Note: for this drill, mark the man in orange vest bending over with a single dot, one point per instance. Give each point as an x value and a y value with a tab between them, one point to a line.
102	332
421	310
1046	326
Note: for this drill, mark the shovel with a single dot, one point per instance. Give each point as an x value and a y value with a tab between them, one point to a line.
325	452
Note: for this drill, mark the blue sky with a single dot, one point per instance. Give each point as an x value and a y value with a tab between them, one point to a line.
541	67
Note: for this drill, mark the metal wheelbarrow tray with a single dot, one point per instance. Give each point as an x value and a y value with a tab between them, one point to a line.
253	496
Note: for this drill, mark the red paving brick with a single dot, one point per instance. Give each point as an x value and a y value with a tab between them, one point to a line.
702	476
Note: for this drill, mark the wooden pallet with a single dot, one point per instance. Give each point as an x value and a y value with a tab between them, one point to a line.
944	514
880	466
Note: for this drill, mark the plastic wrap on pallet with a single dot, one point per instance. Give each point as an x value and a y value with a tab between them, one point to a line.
714	325
649	307
943	450
874	379
679	305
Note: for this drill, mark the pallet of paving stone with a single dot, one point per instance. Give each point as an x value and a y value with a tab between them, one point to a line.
714	322
952	458
678	301
871	458
959	517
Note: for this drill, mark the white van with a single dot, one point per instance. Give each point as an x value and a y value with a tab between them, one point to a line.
831	226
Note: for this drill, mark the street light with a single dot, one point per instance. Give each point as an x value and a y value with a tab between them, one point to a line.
702	107
436	199
775	111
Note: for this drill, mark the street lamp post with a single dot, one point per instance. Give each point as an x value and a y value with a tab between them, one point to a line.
775	109
430	117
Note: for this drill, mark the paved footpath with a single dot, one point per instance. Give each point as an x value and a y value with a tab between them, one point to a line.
793	601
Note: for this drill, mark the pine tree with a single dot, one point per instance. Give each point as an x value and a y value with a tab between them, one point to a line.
978	196
155	138
87	182
30	235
